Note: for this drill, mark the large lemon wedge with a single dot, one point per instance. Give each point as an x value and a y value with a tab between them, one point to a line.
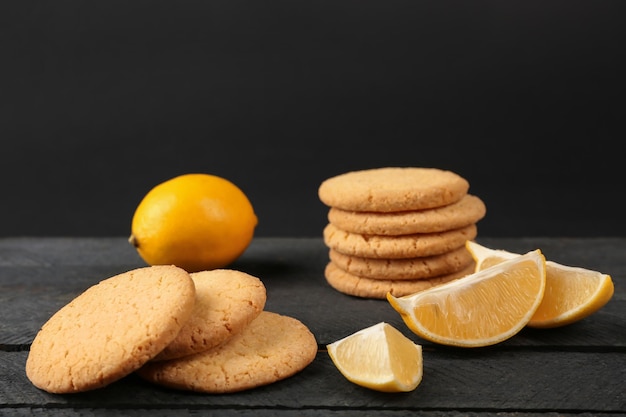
480	309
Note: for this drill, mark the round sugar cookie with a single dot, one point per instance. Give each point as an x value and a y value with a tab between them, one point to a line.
271	348
469	209
111	329
350	284
410	268
394	247
393	189
226	302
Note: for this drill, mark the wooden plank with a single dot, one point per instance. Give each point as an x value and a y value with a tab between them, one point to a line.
329	314
50	251
594	252
486	380
39	276
578	369
268	412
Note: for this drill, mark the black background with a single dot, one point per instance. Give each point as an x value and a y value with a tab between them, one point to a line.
100	101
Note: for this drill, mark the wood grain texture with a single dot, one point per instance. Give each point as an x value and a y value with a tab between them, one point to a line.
579	368
488	380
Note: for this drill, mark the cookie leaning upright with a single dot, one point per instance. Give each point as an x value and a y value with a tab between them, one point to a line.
397	230
111	329
226	302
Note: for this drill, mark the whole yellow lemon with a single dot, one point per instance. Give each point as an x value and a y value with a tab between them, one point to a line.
194	221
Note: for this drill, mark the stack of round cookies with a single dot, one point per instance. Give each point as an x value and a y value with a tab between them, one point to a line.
398	230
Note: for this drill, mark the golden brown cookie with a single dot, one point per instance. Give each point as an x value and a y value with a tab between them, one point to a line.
271	348
362	287
468	210
393	189
226	302
411	268
393	247
111	329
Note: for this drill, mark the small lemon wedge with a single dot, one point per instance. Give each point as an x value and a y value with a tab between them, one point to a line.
380	358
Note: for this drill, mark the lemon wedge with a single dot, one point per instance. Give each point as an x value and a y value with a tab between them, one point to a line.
380	358
571	294
481	309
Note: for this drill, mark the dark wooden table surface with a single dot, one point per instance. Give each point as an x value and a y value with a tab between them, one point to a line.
575	370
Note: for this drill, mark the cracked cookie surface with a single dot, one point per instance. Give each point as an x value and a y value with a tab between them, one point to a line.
271	348
350	284
390	247
410	268
226	301
111	329
468	210
393	189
